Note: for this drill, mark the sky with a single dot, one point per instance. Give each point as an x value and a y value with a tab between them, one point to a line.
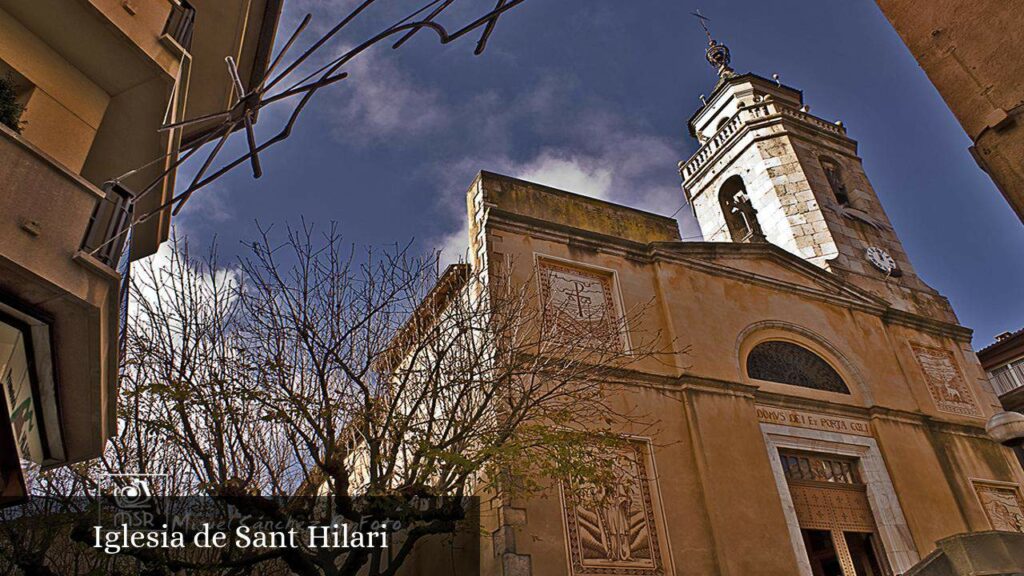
592	96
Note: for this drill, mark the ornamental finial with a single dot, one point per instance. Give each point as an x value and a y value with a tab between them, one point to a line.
716	54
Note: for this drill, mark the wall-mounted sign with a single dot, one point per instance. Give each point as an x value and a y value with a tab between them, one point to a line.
813	421
16	381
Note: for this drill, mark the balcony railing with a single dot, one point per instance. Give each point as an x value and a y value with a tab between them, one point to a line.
107	233
180	23
1008	378
109	240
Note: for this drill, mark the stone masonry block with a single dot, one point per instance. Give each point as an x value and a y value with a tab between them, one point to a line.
513	516
516	565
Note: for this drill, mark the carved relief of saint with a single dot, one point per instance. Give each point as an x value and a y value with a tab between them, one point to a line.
610	529
616	507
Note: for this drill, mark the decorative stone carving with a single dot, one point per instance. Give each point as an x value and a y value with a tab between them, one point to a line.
1003	505
579	306
946	385
832	508
612	530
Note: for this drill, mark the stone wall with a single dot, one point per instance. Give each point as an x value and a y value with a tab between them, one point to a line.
777	151
973	51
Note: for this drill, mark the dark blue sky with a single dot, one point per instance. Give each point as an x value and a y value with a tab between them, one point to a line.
592	96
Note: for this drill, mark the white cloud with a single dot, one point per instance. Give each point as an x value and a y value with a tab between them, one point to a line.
454	246
210	204
153	277
590	147
604	159
379	102
579	174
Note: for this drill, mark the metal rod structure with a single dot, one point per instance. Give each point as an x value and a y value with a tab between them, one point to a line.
249	101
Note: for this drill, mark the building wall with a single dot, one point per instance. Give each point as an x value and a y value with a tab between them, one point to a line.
97	79
1003	360
43	272
142	22
973	52
64	108
714	492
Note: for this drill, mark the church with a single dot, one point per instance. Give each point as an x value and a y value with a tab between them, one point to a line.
829	416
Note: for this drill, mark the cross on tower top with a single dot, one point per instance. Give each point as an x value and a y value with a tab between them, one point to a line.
703	24
716	54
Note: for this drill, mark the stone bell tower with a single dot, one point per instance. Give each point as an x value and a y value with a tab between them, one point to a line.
767	170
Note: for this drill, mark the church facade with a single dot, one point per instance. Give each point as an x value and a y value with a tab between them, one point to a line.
828	417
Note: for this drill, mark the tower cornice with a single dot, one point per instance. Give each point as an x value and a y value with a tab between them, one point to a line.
721	90
748	119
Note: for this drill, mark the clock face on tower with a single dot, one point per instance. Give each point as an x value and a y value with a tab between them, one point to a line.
881	259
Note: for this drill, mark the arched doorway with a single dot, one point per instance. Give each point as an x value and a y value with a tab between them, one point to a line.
832	507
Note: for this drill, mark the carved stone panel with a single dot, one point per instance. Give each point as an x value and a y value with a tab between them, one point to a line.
1003	506
832	507
579	305
945	383
612	530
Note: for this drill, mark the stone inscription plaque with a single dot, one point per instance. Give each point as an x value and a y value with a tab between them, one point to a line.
823	422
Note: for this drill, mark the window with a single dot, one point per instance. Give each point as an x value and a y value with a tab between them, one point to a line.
834	174
740	216
788	363
819	468
180	23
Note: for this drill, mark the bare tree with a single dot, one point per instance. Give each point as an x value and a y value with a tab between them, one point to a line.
316	383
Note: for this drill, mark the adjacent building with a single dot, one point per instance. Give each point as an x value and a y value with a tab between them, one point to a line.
1004	362
93	81
829	416
973	51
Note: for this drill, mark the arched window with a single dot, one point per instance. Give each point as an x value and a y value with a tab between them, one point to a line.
740	216
788	363
834	174
722	122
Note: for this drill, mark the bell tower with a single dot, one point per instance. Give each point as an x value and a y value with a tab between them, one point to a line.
768	170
